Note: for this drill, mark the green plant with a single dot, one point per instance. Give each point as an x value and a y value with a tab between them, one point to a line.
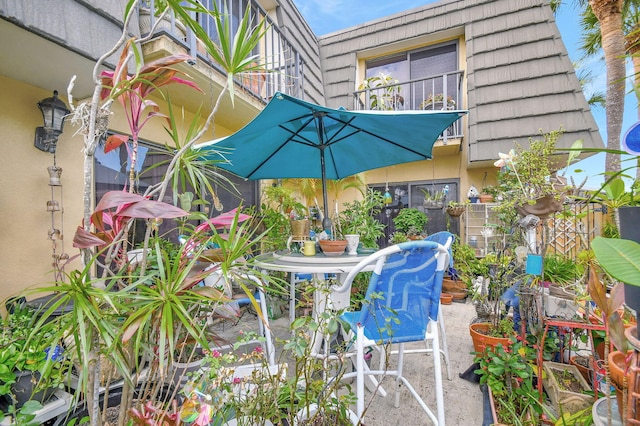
560	270
398	237
23	416
466	266
383	91
510	377
358	217
240	383
410	221
21	350
527	175
433	197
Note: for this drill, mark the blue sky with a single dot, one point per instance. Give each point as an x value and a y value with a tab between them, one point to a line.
326	16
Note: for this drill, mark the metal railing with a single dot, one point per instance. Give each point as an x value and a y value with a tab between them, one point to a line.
282	63
438	92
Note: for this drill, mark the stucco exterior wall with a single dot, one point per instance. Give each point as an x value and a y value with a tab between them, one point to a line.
24	248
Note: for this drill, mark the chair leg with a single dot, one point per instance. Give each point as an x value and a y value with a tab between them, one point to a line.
360	372
445	348
438	374
399	377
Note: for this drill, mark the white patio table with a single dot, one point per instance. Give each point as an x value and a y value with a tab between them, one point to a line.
318	265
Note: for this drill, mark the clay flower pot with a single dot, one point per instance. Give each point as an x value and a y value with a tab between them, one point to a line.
333	247
446	298
481	339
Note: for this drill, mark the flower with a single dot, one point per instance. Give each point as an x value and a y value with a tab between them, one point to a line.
506	160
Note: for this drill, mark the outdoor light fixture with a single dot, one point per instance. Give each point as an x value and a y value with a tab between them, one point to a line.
53	113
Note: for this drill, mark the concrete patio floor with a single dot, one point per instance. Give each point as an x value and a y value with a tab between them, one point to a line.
463	399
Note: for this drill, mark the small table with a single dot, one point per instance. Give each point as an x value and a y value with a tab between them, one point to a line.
319	265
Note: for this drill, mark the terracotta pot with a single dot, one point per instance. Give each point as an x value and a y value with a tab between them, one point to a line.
446	298
486	198
586	372
333	247
458	296
449	285
617	366
481	340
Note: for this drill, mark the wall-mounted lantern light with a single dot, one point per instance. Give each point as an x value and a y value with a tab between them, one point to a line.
53	113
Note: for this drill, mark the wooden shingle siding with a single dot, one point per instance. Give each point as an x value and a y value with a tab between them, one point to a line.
299	34
518	79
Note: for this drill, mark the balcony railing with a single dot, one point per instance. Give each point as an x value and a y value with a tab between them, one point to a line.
439	92
283	65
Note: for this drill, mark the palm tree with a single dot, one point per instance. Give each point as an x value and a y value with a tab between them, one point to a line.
585	77
609	16
592	40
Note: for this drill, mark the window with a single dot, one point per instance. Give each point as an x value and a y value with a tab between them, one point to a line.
112	174
430	74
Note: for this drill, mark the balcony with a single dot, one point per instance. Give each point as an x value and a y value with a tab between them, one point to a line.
283	65
427	93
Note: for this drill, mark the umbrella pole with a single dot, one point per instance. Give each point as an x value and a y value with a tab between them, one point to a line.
326	221
319	118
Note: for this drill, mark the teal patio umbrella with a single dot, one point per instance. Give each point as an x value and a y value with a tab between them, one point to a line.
291	138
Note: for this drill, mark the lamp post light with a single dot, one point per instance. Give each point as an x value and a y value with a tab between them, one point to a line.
53	113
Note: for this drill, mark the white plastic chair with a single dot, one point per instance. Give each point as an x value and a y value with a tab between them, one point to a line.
401	305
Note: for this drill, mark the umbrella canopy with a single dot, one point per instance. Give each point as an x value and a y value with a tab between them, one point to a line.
291	138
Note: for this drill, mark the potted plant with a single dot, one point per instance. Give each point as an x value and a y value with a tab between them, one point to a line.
281	199
560	275
411	222
489	297
527	180
566	387
124	317
455	209
509	379
383	92
433	199
32	366
466	267
359	218
436	102
242	385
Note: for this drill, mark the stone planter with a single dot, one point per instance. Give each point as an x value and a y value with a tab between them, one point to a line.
565	386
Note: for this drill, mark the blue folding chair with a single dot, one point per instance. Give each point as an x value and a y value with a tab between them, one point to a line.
401	305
